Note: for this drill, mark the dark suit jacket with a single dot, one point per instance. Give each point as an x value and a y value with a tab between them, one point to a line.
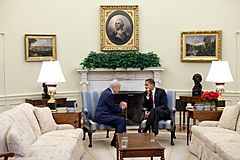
160	100
106	107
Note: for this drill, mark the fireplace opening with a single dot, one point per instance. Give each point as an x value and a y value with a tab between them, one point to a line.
134	99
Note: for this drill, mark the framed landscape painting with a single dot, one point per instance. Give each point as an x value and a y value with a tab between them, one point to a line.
119	28
40	47
201	46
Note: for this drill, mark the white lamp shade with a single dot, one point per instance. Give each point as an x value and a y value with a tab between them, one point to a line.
219	72
51	73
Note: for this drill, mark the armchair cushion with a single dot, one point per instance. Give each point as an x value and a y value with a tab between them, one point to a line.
45	119
89	103
163	124
229	117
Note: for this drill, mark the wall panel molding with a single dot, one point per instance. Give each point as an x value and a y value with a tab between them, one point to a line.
10	101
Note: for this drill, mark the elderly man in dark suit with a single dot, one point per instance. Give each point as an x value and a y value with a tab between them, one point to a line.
107	110
155	100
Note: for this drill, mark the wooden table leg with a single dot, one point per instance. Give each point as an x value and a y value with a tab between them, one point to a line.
117	148
121	155
180	119
184	119
188	120
194	121
162	155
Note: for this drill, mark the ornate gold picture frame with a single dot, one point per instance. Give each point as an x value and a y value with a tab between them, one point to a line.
119	28
201	46
40	47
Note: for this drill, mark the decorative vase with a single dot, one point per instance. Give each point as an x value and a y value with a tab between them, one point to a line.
210	106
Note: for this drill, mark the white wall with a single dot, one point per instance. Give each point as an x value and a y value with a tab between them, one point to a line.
77	26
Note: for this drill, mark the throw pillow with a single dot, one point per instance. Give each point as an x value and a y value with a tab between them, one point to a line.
19	138
229	117
45	119
238	122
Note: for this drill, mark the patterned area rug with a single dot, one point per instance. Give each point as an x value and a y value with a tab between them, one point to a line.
102	150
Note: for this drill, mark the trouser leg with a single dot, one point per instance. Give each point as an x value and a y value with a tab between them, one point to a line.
150	120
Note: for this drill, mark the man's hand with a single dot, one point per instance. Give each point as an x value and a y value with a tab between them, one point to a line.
147	114
148	92
123	105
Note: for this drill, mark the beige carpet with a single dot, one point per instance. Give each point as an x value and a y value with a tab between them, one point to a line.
102	150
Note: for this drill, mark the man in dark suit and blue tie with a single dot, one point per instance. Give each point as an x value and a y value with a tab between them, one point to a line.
155	100
107	110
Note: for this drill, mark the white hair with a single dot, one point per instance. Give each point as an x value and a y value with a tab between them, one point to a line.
121	21
114	83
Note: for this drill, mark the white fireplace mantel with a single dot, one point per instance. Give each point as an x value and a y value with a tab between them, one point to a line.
131	79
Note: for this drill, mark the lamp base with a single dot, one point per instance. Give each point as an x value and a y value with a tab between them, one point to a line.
51	103
52	106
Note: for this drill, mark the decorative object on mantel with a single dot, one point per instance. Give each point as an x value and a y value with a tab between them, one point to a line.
127	59
119	28
197	89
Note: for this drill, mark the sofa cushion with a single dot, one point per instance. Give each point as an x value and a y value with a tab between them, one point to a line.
229	117
238	125
28	110
45	119
229	150
58	145
211	136
19	138
238	122
5	124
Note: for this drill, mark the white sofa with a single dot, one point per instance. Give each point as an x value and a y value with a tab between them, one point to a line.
31	133
218	140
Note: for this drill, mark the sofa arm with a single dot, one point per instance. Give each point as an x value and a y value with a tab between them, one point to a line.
64	126
6	155
208	124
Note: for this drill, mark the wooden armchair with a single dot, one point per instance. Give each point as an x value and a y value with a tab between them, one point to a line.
89	104
165	124
6	155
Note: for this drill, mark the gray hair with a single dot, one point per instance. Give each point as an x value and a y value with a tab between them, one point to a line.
114	83
121	21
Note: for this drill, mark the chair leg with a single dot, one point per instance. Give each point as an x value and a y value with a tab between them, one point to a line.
139	128
84	133
90	138
107	136
172	135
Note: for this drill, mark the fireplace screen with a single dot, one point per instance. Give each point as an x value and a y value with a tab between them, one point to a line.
134	100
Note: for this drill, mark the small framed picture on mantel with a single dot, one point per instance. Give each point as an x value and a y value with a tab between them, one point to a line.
40	47
201	46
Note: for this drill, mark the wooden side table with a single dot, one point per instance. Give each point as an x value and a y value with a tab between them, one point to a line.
43	102
73	118
183	103
201	116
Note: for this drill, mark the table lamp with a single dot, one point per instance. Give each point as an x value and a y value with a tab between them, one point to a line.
219	73
51	74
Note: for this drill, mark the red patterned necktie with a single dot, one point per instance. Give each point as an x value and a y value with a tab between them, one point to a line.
151	98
